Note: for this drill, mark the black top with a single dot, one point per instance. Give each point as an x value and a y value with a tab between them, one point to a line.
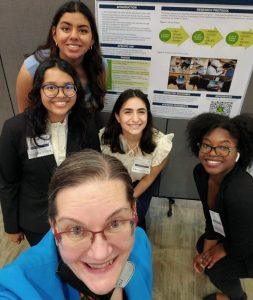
234	203
23	181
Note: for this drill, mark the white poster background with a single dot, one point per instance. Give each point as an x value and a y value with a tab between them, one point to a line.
160	47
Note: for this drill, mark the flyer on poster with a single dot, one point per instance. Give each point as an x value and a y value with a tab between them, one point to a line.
188	58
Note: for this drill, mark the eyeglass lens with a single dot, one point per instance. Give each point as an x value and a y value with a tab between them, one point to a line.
84	238
219	150
52	90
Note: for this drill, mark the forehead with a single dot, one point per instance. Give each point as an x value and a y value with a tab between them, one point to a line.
75	18
56	75
134	102
93	199
220	134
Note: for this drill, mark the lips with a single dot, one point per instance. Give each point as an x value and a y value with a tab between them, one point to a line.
135	125
73	47
213	162
100	268
60	103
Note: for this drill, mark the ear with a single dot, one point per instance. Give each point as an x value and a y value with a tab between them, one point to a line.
117	117
53	32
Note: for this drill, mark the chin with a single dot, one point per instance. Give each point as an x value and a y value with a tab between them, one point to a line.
101	288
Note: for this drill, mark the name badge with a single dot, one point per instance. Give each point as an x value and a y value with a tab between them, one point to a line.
125	275
216	221
42	148
141	166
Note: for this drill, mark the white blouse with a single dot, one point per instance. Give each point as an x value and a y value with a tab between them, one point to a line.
58	136
132	158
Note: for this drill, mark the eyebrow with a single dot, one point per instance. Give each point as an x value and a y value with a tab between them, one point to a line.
55	83
130	109
223	141
70	24
108	218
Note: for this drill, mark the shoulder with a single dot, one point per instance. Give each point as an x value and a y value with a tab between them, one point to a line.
31	62
161	138
163	146
141	247
16	123
22	276
239	181
199	173
140	285
101	132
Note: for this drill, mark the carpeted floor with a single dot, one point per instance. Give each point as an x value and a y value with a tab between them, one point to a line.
173	241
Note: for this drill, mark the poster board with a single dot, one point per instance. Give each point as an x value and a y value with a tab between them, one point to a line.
189	58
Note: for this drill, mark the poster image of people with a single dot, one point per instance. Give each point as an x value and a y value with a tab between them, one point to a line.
201	74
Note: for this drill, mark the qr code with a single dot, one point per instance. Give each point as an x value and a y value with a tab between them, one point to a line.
223	108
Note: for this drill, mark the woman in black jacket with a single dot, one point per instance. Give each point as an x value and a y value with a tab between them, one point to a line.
33	143
224	147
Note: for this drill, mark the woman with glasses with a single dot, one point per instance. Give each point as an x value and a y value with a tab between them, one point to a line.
94	250
224	147
73	37
33	143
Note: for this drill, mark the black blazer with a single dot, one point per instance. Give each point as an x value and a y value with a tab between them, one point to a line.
234	203
23	181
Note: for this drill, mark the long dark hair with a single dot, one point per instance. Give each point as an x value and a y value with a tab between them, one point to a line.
92	62
113	128
37	114
239	127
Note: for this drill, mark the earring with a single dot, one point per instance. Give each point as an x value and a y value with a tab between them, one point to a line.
56	44
90	47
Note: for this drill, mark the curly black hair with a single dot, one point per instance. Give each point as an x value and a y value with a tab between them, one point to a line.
113	128
37	114
239	127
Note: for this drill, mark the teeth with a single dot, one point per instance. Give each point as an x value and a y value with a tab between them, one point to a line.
73	46
100	266
60	103
213	162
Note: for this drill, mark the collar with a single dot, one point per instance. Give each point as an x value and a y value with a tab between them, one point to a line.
67	276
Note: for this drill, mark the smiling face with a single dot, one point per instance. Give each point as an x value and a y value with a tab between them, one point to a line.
95	205
214	164
59	106
133	117
74	36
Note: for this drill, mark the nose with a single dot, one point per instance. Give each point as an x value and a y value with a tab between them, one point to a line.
74	34
99	249
135	117
213	149
60	93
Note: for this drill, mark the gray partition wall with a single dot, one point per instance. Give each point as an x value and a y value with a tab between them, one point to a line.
25	24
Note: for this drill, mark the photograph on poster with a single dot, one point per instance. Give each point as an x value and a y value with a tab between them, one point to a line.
201	74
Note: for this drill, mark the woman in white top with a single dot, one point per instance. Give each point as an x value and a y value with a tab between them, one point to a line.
131	137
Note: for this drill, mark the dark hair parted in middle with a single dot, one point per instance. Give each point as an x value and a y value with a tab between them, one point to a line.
86	166
92	61
239	127
38	114
113	128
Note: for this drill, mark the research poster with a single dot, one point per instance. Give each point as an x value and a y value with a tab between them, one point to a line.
188	58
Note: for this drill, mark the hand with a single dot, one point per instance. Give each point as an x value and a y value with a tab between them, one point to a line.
198	263
213	255
16	237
